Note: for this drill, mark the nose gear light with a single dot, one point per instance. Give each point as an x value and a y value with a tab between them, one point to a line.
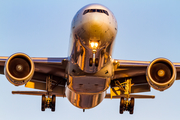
94	45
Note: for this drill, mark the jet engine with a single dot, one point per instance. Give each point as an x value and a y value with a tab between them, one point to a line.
19	69
161	74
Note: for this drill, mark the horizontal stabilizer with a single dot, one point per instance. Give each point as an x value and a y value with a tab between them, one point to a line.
39	93
131	96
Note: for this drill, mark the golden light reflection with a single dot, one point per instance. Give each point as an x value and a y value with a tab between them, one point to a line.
94	44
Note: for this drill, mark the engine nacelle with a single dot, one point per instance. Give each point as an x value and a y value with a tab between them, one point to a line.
161	74
19	69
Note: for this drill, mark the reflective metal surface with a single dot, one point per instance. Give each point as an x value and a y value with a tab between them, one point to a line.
16	76
84	101
92	38
161	83
86	91
90	67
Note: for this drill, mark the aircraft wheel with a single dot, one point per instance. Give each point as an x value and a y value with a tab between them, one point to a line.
43	105
131	111
132	103
90	62
131	106
96	62
121	106
53	103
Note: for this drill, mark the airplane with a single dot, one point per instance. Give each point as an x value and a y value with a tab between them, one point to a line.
89	69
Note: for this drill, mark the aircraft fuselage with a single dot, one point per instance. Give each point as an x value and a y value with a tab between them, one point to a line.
90	69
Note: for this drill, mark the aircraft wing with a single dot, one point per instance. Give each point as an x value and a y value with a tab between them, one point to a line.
44	67
2	63
135	70
51	66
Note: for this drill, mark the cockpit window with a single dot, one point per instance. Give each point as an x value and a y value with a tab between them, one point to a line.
95	10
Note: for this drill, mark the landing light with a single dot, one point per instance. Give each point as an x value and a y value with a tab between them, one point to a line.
94	44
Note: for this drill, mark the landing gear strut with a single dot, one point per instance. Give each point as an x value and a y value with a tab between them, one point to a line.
48	103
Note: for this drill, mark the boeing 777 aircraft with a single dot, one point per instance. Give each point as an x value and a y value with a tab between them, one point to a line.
89	70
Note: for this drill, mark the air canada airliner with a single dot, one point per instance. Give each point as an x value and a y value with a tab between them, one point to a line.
84	76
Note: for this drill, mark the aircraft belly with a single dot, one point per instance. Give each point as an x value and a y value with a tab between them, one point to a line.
86	91
84	101
88	84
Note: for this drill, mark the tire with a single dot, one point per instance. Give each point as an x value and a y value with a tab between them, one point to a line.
131	106
43	105
132	103
53	103
90	62
121	109
96	62
131	111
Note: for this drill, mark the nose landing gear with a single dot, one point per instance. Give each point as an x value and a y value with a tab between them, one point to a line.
96	61
90	62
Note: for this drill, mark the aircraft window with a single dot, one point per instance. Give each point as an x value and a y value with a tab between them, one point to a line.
96	10
86	11
92	10
106	12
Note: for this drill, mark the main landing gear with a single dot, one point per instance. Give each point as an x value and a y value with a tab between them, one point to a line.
126	105
124	90
48	102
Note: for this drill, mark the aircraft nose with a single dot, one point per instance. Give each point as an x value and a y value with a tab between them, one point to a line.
95	21
94	24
